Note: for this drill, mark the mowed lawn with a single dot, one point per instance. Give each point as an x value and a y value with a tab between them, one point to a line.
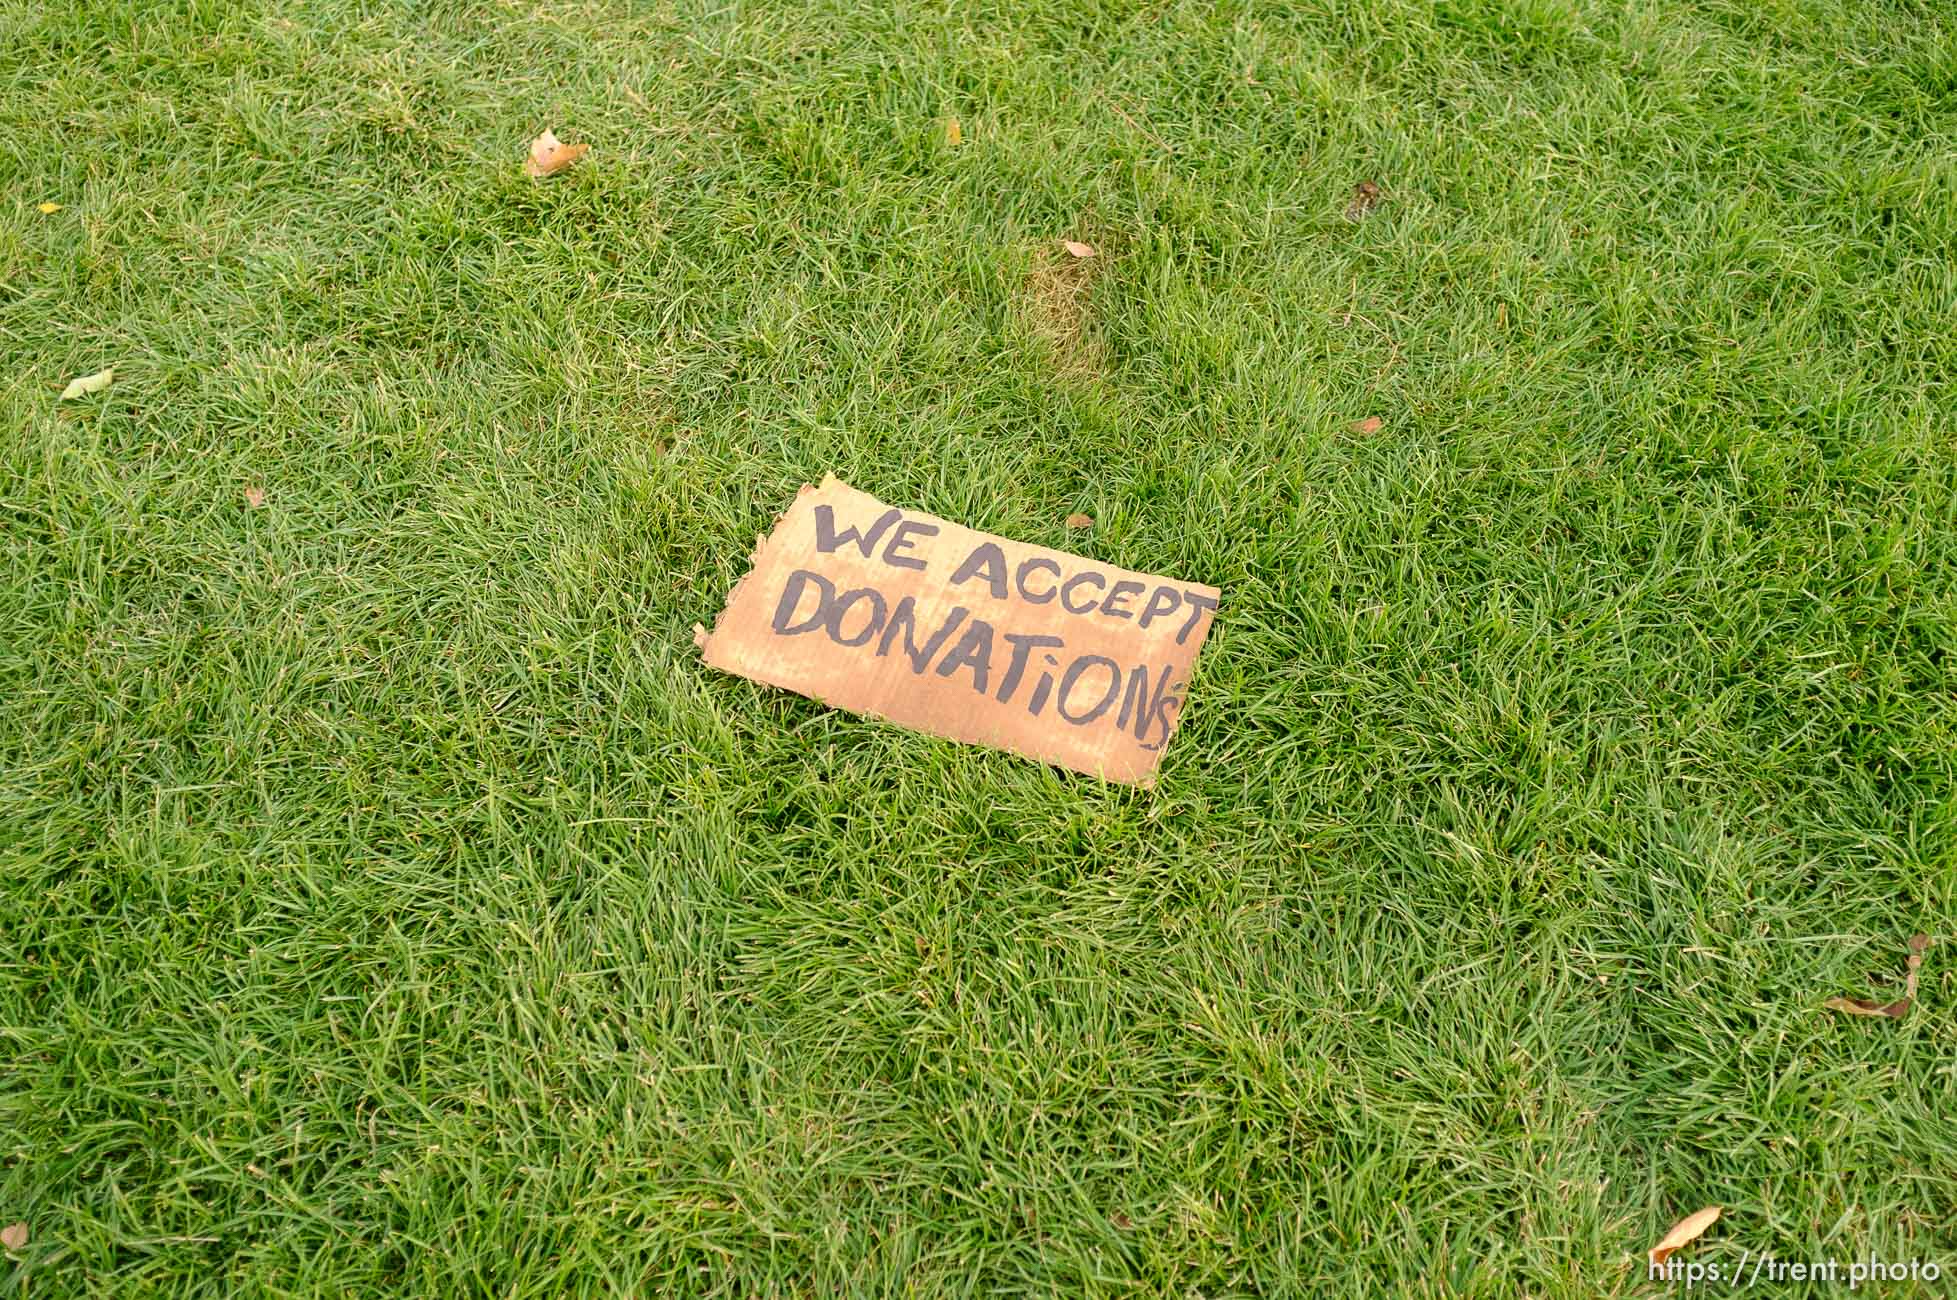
391	903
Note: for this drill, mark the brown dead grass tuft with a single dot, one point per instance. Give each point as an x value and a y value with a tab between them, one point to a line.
1054	305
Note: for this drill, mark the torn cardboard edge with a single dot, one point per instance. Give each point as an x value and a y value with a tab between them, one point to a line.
754	562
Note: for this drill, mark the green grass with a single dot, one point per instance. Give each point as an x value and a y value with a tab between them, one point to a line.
391	903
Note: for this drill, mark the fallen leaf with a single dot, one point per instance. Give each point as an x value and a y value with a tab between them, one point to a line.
254	497
87	384
1365	197
254	1171
1887	1010
953	135
1368	425
1080	521
549	155
1686	1231
13	1236
1077	248
48	209
1864	1007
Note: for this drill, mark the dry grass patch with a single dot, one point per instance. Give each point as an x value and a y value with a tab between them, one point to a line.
1055	307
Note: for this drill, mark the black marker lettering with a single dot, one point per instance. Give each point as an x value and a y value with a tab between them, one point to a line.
1040	692
1198	604
905	617
900	540
1157	606
974	648
1135	697
1066	587
1026	567
1148	712
1121	591
1022	647
828	539
841	607
791	596
1074	671
989	558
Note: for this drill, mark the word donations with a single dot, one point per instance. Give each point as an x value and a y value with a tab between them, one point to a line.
965	635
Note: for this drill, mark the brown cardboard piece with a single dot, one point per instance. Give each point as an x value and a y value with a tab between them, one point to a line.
961	634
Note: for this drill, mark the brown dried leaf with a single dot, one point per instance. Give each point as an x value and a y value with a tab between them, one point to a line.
1686	1231
1863	1007
1365	197
13	1236
1887	1010
1076	248
254	497
1080	521
549	155
953	133
1368	425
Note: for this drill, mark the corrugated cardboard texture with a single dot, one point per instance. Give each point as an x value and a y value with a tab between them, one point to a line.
961	634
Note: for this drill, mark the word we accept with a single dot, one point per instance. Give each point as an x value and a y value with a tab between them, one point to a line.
1037	580
1080	692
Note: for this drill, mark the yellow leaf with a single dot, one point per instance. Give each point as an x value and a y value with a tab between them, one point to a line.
1077	248
47	208
549	155
953	135
87	384
1686	1231
13	1236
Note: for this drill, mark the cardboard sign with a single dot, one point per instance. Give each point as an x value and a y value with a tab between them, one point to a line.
961	634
